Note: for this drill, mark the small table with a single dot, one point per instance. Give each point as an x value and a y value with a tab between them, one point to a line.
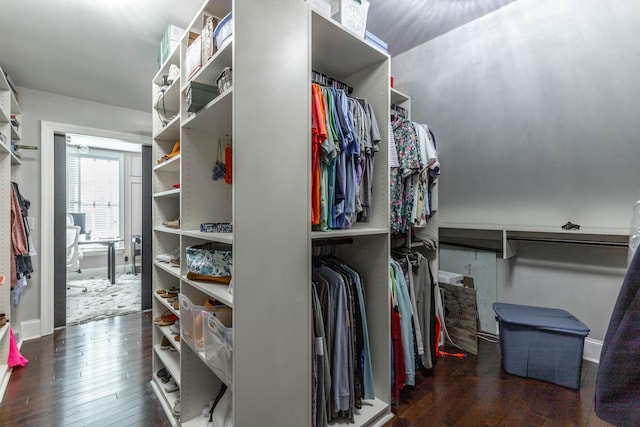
111	254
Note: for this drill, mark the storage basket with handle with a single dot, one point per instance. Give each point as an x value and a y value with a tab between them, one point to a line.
209	261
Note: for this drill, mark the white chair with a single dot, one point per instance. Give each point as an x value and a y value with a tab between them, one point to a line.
73	253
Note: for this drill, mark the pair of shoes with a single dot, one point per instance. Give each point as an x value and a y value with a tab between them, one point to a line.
166	380
176	407
165	344
174	223
175	327
168	257
166	319
170	294
173	289
174	152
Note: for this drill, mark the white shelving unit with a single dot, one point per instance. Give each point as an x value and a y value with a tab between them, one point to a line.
267	112
9	171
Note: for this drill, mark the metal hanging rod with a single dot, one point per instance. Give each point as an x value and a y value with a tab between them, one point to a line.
332	242
570	241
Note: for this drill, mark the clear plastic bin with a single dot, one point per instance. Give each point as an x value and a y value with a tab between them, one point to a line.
191	320
218	345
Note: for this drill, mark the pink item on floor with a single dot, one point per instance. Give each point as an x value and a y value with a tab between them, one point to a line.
15	358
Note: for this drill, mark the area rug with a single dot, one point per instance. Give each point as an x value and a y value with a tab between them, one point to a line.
102	299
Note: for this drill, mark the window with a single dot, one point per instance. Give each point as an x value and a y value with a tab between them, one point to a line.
94	187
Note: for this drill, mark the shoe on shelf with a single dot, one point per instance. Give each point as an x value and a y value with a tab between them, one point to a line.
168	257
177	338
165	344
176	407
169	295
174	223
175	327
170	386
167	320
162	316
163	375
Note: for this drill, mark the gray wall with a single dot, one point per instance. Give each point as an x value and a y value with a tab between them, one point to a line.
535	104
37	106
535	111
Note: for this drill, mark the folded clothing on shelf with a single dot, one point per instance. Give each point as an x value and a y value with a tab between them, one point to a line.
216	227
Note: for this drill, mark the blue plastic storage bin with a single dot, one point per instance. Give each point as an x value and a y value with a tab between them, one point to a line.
541	343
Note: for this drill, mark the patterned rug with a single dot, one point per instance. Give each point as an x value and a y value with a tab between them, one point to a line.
102	299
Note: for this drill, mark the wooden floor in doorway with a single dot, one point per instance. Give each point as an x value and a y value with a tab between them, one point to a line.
91	374
98	373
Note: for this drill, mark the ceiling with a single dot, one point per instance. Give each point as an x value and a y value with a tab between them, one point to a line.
105	51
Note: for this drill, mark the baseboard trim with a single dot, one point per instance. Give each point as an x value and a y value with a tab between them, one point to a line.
30	329
592	349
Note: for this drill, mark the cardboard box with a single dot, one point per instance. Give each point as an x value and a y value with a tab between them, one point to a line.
194	57
208	41
352	14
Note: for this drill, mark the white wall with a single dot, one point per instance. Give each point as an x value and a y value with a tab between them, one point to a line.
36	107
535	103
519	98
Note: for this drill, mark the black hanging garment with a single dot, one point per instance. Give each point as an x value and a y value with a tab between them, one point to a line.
618	381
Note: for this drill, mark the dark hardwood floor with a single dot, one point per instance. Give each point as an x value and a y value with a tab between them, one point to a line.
475	391
97	374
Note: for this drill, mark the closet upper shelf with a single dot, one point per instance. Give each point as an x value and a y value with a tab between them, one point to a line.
213	237
398	97
171	165
169	193
219	292
352	232
168	230
215	116
504	239
336	52
171	132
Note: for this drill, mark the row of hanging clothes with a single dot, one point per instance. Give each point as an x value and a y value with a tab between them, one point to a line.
22	247
344	137
416	308
414	169
342	369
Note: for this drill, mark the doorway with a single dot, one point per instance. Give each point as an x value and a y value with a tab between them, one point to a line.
100	186
103	216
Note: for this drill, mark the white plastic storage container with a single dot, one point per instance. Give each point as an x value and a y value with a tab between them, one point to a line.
224	30
218	345
191	320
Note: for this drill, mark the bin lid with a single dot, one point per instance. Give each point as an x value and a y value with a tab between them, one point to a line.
553	319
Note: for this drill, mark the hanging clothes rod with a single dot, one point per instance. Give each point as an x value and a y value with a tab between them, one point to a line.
333	242
570	241
470	246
